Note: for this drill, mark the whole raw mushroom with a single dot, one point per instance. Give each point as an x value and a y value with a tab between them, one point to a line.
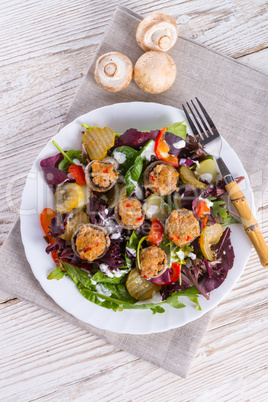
155	72
113	71
157	31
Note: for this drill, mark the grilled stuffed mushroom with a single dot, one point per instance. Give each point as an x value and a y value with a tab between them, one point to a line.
90	242
153	262
129	213
182	227
161	178
101	175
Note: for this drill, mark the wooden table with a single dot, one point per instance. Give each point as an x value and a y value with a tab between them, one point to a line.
46	47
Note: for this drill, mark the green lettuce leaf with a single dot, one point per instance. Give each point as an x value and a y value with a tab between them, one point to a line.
108	293
73	154
132	244
130	154
178	129
57	274
133	175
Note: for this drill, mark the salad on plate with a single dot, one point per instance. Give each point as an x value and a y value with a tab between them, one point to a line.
140	219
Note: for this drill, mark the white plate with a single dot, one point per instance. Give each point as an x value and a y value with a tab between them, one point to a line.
37	195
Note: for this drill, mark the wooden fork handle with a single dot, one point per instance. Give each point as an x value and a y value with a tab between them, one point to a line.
249	222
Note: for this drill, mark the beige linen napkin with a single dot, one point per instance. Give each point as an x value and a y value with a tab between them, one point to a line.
234	95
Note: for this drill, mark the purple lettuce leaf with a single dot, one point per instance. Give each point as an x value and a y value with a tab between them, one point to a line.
209	275
186	162
100	214
134	138
225	261
167	290
58	246
51	161
145	228
97	210
170	140
218	190
57	224
189	195
214	190
113	257
165	277
195	274
194	149
52	174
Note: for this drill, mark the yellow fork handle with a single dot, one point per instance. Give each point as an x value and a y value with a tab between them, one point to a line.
249	222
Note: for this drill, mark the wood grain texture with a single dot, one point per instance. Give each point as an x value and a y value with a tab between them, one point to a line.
46	48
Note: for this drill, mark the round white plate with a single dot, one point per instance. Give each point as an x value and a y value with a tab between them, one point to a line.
37	196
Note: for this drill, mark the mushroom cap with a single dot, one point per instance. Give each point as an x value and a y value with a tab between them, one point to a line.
113	71
93	186
157	31
149	170
96	227
155	72
119	219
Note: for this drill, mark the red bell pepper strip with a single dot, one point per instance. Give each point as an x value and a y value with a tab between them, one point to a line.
161	150
202	212
202	209
156	232
204	222
78	174
174	276
45	218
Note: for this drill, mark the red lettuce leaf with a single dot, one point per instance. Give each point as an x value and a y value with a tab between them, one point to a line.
52	174
209	275
134	138
165	277
113	257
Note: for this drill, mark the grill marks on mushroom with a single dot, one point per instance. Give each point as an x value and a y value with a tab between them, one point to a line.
155	72
157	31
113	71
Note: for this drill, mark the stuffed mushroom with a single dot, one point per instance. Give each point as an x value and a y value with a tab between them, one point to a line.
182	227
161	178
101	175
90	242
153	262
129	213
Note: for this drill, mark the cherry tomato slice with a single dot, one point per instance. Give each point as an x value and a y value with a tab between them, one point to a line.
176	268
156	232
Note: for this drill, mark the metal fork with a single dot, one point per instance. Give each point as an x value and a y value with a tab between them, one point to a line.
207	134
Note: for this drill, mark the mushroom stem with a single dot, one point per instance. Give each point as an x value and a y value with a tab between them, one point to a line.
110	69
162	39
113	71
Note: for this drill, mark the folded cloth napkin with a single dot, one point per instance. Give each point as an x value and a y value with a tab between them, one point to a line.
234	95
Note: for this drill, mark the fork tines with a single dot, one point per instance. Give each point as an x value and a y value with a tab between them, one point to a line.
202	127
